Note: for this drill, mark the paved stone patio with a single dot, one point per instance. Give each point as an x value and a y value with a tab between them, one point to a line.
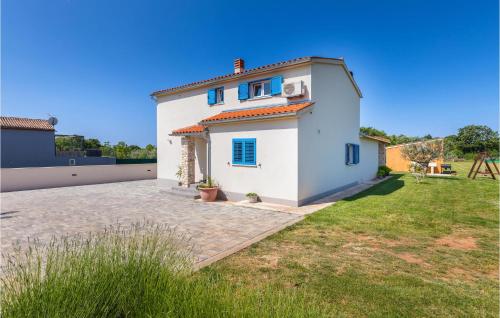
216	230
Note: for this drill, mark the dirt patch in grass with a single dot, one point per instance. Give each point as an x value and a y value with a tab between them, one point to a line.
456	242
270	261
412	259
459	274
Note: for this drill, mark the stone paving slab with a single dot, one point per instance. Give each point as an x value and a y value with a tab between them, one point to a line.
215	230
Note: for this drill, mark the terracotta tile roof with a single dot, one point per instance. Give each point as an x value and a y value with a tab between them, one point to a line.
189	130
25	123
227	76
245	73
252	113
377	138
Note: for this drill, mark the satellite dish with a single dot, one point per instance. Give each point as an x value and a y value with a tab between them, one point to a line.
52	121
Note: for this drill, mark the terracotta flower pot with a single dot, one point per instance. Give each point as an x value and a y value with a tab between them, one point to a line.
208	194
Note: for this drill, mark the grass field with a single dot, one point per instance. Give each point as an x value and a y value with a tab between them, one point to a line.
399	249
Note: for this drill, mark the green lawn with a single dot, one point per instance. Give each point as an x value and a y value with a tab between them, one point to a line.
399	249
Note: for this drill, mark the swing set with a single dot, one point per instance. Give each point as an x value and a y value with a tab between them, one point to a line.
483	157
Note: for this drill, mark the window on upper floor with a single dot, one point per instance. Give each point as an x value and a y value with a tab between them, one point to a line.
260	89
219	95
215	96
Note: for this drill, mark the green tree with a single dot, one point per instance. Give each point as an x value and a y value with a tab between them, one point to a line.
68	143
420	154
121	150
476	138
370	131
402	139
91	143
107	149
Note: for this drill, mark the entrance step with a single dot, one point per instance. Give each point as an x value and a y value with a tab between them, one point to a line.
189	192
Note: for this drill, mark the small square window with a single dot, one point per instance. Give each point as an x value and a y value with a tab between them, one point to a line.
244	151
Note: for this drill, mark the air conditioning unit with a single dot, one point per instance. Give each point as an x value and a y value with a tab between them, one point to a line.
293	89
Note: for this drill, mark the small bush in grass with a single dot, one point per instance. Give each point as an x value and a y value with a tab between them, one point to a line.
383	171
140	271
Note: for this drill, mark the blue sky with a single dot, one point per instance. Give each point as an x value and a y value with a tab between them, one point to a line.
423	66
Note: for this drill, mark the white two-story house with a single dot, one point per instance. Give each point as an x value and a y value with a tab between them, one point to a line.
288	131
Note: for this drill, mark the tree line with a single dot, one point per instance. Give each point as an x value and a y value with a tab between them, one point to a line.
120	150
468	140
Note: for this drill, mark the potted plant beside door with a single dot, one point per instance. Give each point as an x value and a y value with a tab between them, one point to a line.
208	190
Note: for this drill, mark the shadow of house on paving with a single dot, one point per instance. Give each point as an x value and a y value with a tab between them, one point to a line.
384	188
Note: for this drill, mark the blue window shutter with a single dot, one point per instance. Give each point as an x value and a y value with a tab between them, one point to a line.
237	151
356	154
276	85
250	152
211	96
346	154
243	91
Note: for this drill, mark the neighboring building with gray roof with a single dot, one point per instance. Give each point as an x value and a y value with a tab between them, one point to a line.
27	142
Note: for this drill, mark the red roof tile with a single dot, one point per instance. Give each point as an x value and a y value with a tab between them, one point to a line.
227	76
244	73
257	112
25	123
189	130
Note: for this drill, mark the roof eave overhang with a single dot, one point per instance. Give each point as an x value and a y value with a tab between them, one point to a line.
229	79
334	61
194	134
374	139
23	128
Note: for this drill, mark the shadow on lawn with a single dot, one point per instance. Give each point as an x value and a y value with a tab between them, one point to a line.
384	188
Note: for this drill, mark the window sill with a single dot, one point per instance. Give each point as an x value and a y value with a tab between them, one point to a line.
242	165
216	104
260	97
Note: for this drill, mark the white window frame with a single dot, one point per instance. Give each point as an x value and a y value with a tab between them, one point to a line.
262	83
219	95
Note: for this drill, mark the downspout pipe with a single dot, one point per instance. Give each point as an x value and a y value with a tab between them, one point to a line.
206	136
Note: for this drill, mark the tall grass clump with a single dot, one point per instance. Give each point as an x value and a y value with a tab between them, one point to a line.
117	272
140	271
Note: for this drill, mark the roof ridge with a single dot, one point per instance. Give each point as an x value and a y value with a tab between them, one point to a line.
23	118
245	72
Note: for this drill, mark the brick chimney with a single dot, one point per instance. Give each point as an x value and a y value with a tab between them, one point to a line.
239	66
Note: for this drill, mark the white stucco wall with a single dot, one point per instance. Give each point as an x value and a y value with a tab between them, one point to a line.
299	158
323	134
188	108
368	161
15	179
275	175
